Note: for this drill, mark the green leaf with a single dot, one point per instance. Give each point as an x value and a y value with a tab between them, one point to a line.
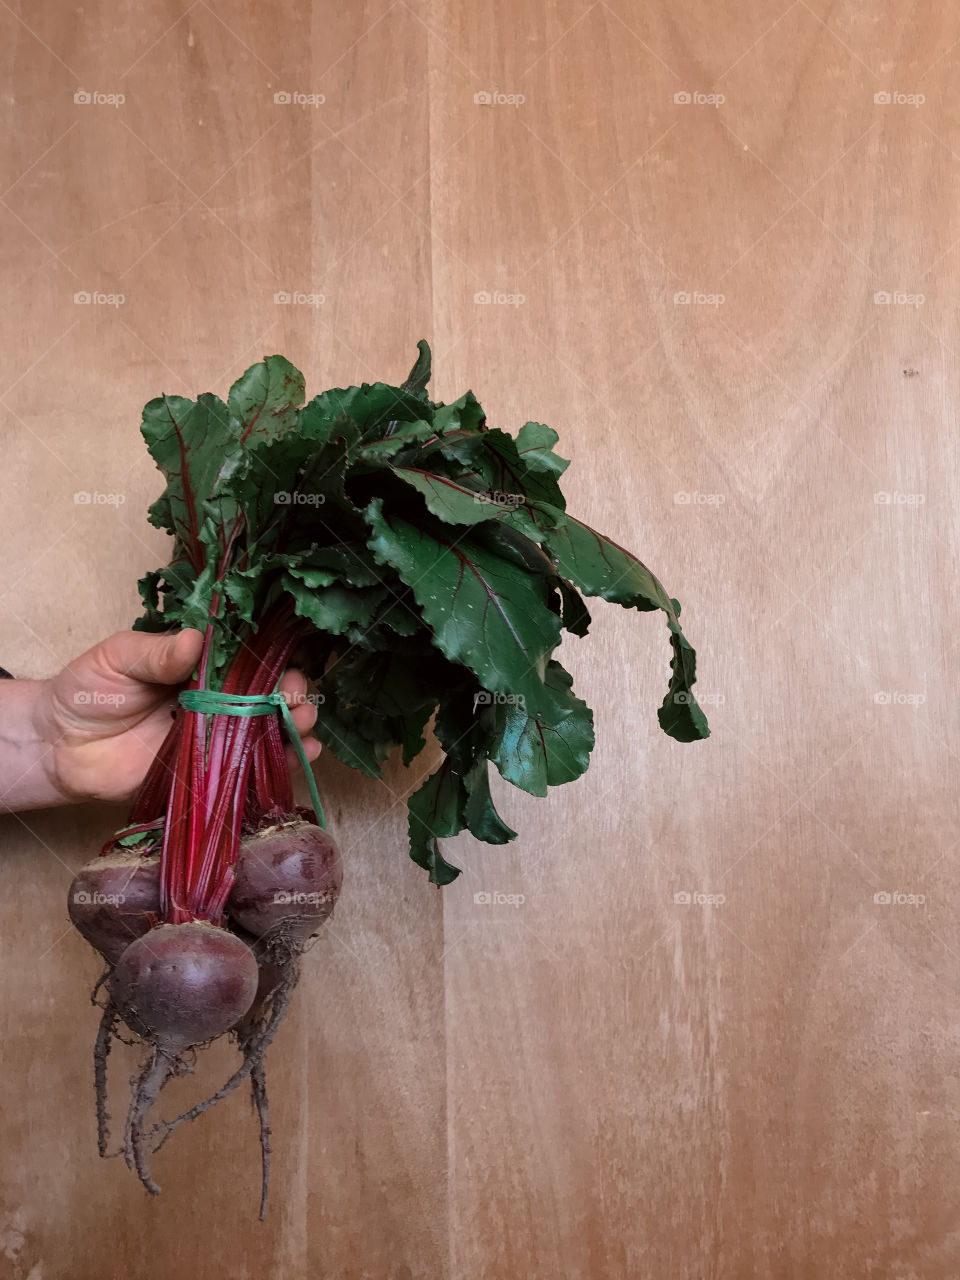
464	728
312	575
535	443
350	562
486	613
435	810
138	837
574	612
386	682
479	813
333	609
194	445
264	402
370	406
418	377
410	730
537	748
599	567
354	735
680	715
464	415
451	501
400	439
491	462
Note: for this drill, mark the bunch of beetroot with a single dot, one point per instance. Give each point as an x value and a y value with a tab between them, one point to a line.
416	563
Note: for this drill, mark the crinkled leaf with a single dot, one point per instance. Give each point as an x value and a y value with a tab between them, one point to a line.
350	562
548	746
535	443
416	380
680	715
462	415
491	461
371	406
264	402
333	609
600	567
405	434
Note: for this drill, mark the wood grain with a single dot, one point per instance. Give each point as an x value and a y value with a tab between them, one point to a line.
602	1080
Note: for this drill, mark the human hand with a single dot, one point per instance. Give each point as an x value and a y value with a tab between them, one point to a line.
91	732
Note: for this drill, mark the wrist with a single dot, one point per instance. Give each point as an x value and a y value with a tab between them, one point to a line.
28	748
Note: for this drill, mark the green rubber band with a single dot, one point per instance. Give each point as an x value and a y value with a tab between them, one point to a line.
210	702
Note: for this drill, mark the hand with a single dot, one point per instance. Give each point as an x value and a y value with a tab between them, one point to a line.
96	727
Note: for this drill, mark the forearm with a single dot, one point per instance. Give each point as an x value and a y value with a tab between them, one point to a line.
27	778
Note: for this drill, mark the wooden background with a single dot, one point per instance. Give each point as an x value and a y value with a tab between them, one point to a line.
603	1082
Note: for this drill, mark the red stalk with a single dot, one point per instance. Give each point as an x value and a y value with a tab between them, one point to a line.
213	773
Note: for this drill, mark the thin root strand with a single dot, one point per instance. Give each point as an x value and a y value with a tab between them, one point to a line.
253	1044
258	1087
144	1091
101	1049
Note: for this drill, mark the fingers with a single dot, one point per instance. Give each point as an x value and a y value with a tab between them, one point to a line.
153	659
294	687
312	749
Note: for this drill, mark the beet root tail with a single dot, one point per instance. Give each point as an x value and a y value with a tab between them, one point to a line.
258	1086
145	1089
101	1049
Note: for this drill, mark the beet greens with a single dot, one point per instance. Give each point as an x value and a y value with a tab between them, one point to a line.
426	562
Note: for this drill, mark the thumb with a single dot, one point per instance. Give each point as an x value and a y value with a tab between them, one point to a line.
166	659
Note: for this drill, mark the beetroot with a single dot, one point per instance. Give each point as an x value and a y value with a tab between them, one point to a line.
115	899
288	879
178	986
183	984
